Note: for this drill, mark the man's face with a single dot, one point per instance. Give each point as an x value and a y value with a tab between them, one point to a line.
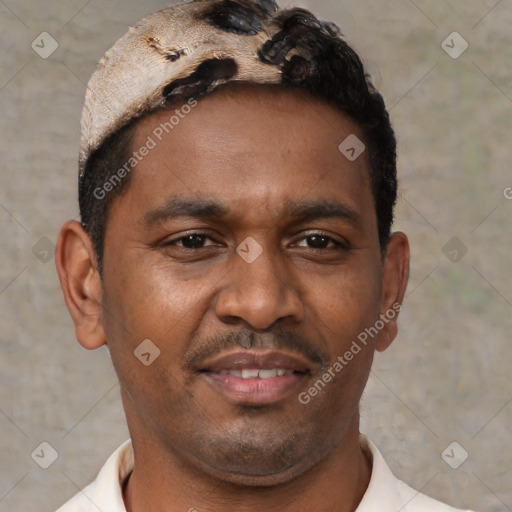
259	171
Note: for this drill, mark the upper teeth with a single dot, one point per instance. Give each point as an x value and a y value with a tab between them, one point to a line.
254	373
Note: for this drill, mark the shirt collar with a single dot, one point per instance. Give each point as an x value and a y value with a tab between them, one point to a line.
385	492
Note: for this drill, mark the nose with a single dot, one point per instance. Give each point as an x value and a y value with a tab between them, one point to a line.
259	293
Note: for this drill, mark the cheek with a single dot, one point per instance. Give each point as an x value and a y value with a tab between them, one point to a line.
151	299
347	302
146	300
149	303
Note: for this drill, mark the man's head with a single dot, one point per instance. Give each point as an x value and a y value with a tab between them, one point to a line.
210	44
246	251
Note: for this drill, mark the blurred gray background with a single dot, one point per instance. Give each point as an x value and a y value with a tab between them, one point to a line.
446	379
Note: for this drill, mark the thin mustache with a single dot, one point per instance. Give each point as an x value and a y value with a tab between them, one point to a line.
215	345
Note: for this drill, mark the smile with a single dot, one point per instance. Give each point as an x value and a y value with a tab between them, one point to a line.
256	378
254	373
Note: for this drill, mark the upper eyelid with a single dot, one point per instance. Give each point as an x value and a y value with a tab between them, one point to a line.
320	232
342	243
336	243
181	237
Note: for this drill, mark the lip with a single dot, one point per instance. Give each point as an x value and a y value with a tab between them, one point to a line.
256	391
261	360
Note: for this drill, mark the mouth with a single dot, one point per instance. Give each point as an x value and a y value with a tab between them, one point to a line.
256	378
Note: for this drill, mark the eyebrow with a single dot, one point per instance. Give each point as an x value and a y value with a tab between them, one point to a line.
184	207
207	209
323	209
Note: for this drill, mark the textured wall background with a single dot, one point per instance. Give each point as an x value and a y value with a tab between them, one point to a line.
447	378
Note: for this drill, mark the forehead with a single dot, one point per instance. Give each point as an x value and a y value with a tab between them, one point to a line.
250	144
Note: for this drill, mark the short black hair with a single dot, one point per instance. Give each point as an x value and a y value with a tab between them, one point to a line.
101	166
332	71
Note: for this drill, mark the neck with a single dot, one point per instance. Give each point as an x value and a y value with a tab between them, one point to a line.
336	483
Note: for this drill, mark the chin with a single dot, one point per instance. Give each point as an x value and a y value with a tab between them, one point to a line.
266	462
248	477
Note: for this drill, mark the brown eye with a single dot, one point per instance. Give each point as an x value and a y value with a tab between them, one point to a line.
192	241
318	241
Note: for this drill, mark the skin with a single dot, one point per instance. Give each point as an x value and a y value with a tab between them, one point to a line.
256	151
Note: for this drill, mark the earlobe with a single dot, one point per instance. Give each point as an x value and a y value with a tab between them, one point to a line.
81	284
394	283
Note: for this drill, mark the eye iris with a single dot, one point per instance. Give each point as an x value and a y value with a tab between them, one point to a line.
318	242
193	241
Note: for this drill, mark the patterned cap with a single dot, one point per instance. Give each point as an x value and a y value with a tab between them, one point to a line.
190	49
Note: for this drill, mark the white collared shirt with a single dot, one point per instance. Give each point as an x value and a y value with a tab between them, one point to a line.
385	492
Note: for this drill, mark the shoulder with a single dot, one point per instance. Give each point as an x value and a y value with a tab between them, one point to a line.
415	501
387	493
80	502
105	493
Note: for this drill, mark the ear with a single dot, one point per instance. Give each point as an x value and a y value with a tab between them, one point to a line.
80	283
394	282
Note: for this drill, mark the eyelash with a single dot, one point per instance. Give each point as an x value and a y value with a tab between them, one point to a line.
336	244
